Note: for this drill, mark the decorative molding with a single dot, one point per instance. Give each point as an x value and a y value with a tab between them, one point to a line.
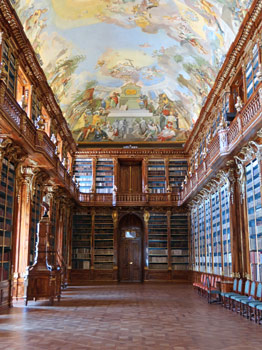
131	152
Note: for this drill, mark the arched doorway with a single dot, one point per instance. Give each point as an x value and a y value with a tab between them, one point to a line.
130	249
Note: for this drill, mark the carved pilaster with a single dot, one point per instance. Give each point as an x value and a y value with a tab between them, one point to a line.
146	220
115	266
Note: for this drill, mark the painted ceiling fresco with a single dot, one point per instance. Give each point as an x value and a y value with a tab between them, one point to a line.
131	70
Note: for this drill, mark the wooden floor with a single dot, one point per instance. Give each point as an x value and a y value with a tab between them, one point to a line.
127	316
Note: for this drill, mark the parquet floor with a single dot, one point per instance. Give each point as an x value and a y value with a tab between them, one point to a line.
127	317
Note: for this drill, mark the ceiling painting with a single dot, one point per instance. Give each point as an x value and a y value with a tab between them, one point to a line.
131	70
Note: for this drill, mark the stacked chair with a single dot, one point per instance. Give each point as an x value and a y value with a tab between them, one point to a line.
207	287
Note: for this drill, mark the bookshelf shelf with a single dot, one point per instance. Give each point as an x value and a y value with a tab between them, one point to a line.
104	175
209	256
254	213
9	66
81	242
225	216
83	171
177	170
6	219
157	241
104	242
202	238
179	241
156	176
215	200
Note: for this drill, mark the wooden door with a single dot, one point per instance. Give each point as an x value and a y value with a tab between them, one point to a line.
130	177
130	250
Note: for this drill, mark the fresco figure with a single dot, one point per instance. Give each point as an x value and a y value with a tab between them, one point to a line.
99	134
114	100
167	133
143	126
151	132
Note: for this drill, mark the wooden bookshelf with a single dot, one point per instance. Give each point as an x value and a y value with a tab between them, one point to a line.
202	250
83	171
158	241
196	238
52	236
103	242
156	176
9	66
209	255
254	213
177	170
81	241
35	218
217	256
7	187
251	71
226	234
104	175
179	241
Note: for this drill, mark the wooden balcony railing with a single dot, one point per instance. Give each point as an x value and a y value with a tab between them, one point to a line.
246	123
10	107
129	199
37	139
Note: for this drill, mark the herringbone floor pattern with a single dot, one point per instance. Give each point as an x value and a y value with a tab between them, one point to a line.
127	317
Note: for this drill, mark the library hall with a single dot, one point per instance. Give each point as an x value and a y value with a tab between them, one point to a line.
130	174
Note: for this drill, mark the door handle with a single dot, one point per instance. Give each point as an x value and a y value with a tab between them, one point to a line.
131	263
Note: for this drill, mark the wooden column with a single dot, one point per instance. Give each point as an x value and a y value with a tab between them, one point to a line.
115	263
168	214
21	245
168	189
93	188
146	219
243	67
241	222
60	227
234	227
145	175
116	180
92	245
69	240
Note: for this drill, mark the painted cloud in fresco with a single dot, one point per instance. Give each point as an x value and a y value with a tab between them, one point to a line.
170	50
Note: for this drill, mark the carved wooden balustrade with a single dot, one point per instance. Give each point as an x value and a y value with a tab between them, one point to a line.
16	119
128	199
245	125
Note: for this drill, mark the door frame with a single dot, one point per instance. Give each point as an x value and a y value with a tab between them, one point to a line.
119	240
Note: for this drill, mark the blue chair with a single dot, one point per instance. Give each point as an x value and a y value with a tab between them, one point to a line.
253	306
240	301
237	290
225	296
